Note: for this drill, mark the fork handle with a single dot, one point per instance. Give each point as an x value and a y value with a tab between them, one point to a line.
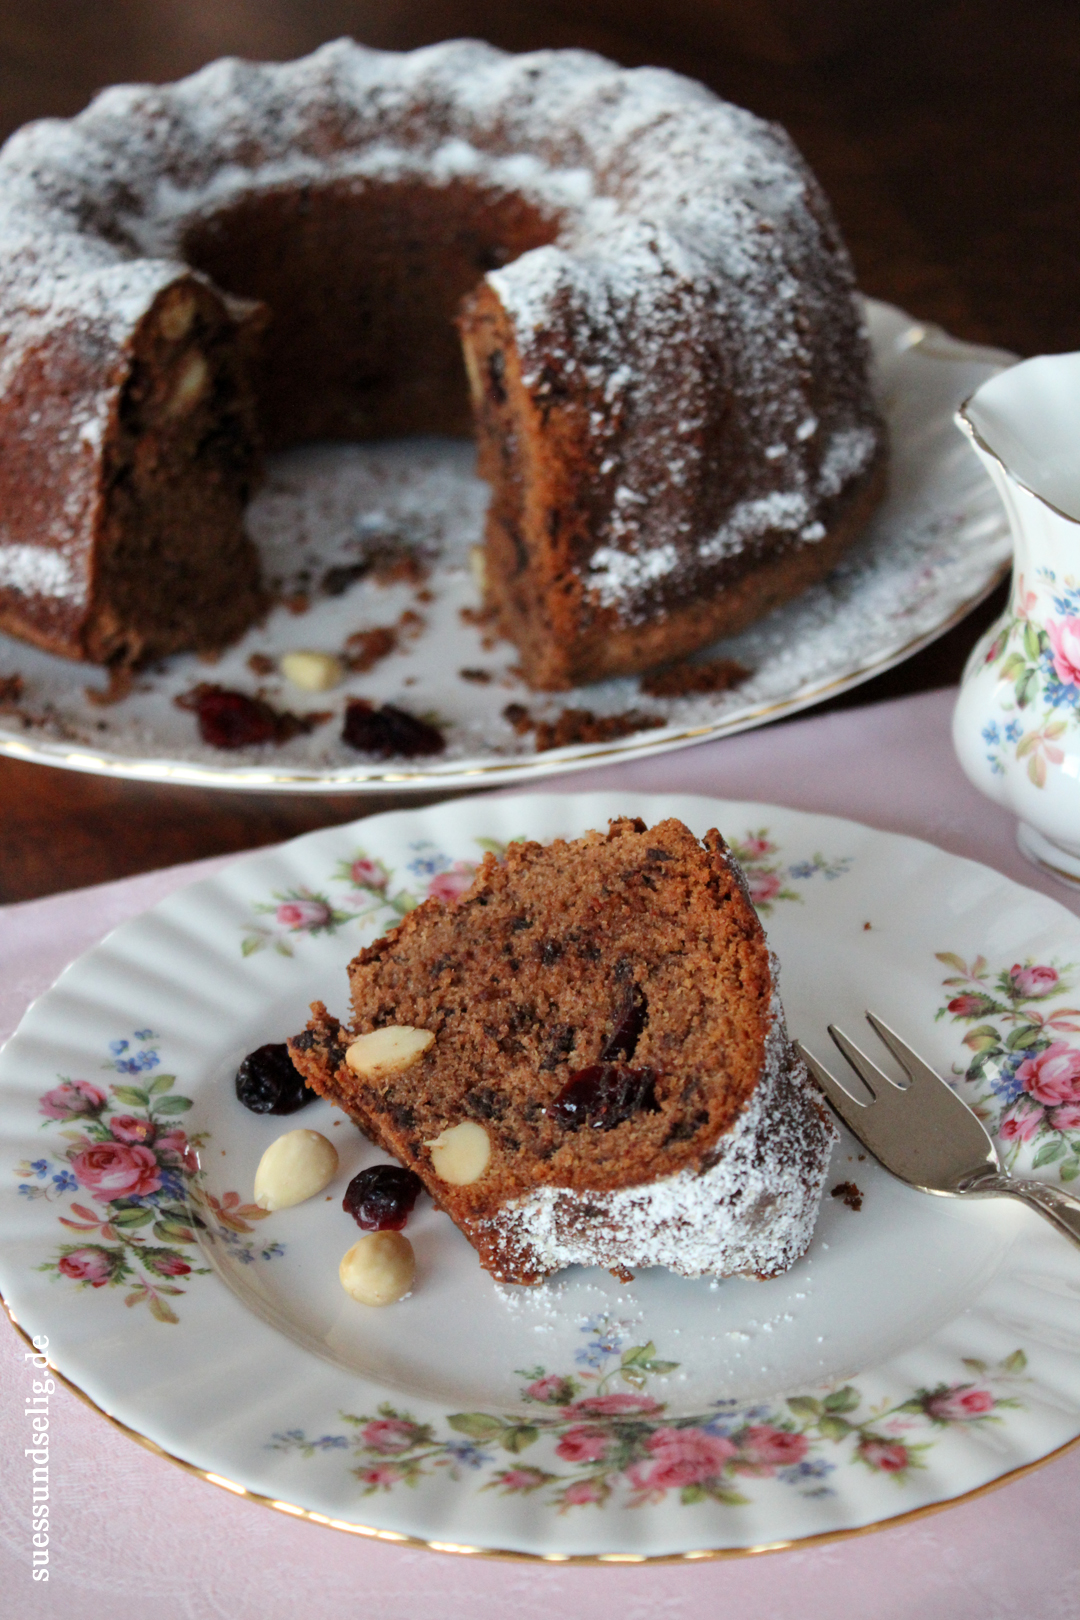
1062	1209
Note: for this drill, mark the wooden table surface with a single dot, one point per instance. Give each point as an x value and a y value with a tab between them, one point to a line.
945	134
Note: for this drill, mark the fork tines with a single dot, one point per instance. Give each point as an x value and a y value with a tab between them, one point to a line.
877	1082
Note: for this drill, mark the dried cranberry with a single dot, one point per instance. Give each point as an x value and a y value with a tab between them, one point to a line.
231	719
234	720
604	1095
389	733
629	1022
379	1199
267	1082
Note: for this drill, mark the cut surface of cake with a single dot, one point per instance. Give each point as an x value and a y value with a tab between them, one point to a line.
665	353
585	1061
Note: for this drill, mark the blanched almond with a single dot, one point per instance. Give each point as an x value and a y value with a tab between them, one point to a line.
191	383
176	314
461	1153
478	568
379	1269
388	1051
312	671
472	371
297	1166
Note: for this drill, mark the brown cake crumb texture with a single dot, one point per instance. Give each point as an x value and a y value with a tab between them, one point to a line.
579	726
11	691
524	982
686	680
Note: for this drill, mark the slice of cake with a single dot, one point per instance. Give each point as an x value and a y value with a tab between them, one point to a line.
585	1061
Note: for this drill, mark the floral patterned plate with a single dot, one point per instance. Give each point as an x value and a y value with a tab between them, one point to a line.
937	544
922	1350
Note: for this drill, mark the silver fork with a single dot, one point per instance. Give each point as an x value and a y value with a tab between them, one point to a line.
926	1135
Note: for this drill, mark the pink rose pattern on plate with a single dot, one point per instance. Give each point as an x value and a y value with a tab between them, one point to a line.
603	1446
140	1173
1025	1071
769	878
1040	673
371	890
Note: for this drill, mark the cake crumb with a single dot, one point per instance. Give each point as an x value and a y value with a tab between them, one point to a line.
366	648
582	726
484	619
479	677
336	581
850	1194
686	680
121	680
579	726
518	716
400	568
11	691
261	664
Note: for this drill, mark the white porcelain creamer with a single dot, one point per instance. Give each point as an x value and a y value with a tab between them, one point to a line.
1017	723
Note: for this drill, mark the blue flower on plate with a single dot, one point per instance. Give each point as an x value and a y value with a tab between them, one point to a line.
468	1454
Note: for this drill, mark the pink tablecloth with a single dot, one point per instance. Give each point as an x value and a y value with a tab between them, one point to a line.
132	1534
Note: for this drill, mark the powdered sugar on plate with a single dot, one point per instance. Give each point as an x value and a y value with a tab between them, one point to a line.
937	544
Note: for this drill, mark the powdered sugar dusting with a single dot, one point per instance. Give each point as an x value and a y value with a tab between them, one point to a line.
935	544
695	267
34	568
753	1211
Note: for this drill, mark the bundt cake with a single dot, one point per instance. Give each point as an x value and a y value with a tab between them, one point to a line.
585	1061
659	324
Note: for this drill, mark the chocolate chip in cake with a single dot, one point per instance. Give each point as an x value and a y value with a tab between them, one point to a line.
485	1103
557	1045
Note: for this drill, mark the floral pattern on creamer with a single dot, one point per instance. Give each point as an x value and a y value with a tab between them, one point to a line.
125	1151
1026	1072
602	1440
1039	675
372	890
